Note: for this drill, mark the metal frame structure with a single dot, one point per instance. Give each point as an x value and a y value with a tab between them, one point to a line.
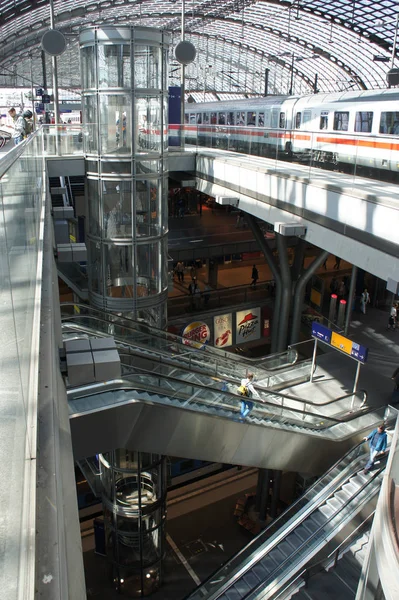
236	40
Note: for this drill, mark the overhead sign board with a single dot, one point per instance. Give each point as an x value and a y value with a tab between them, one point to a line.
338	341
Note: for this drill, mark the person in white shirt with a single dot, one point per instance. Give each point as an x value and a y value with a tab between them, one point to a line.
392	317
246	405
364	299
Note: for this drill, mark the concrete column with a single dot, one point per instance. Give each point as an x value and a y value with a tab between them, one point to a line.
262	493
264	247
275	493
297	267
352	289
285	292
300	292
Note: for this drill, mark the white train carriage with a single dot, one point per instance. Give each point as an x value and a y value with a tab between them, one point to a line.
339	129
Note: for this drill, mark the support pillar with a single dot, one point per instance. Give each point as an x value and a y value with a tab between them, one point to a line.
300	292
213	268
297	267
285	292
258	235
352	289
262	493
275	493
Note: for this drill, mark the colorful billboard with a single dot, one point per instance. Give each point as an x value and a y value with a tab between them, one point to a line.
247	325
223	330
196	334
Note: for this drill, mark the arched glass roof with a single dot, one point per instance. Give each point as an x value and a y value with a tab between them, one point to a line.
302	45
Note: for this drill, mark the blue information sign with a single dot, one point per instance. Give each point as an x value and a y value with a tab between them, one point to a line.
338	341
321	333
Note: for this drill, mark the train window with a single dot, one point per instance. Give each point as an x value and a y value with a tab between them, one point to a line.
364	121
251	118
389	123
186	117
298	118
281	123
213	119
341	121
221	118
199	119
324	119
274	119
307	116
240	118
267	118
230	118
205	118
192	118
261	119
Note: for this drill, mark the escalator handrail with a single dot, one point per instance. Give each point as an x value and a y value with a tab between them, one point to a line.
297	502
160	332
265	390
336	512
283	534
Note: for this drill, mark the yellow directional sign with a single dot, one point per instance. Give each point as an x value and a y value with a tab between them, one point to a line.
341	342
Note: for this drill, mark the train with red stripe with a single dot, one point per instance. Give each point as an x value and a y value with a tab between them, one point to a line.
335	130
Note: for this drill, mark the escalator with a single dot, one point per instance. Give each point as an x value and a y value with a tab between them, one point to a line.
181	401
270	566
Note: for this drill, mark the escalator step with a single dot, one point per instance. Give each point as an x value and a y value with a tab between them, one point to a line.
242	587
294	540
326	510
261	571
251	579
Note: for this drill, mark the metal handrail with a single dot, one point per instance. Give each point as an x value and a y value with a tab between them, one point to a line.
277	394
293	525
113	319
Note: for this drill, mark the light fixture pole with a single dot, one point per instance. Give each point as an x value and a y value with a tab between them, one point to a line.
292	75
182	72
57	117
394	41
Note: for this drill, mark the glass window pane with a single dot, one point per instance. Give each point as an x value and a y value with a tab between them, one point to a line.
282	120
341	121
117	210
119	271
114	66
148	269
146	204
389	123
94	267
90	117
115	126
298	120
261	119
364	121
88	65
148	123
147	67
93	207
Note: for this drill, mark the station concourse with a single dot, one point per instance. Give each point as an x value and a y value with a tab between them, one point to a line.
135	366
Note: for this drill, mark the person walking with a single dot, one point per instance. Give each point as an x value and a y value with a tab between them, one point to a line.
325	263
180	272
255	275
247	390
392	317
378	442
364	300
337	262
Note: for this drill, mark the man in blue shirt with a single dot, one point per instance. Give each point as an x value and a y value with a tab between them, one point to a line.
378	442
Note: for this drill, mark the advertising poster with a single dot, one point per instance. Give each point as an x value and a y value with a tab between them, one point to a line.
247	325
223	330
196	334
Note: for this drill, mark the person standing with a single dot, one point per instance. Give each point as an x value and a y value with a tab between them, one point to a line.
19	126
255	275
206	294
392	317
364	300
180	272
247	390
378	442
